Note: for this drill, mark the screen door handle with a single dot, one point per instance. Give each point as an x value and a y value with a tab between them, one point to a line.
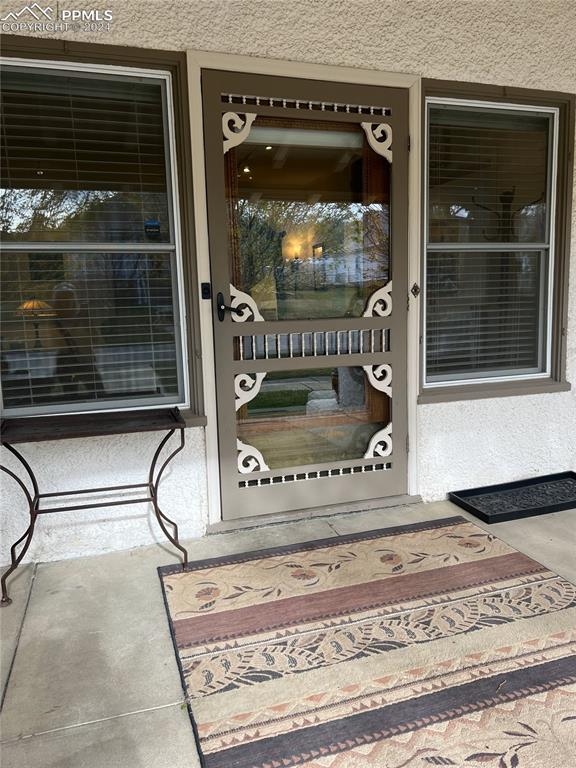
222	308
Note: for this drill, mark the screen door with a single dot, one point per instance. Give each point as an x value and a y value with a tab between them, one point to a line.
307	199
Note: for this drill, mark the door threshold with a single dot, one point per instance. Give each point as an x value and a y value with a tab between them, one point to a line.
224	526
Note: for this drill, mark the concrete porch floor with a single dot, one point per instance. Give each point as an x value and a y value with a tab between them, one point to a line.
87	665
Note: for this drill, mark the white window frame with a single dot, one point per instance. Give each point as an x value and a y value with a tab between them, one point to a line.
548	247
173	246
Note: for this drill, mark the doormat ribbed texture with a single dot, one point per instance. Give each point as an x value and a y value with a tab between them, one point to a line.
423	645
524	498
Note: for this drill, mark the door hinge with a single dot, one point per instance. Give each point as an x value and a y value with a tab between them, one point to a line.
409	143
407	443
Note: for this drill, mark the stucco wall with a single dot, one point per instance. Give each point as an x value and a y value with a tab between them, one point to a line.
524	43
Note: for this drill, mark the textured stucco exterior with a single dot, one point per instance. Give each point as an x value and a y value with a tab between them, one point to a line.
520	43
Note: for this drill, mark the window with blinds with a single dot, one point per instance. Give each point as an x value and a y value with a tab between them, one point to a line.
488	241
90	316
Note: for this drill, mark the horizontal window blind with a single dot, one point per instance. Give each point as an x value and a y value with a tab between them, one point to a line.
487	176
83	159
488	201
88	329
484	313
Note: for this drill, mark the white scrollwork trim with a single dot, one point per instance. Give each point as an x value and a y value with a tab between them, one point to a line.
380	138
380	376
380	444
250	459
245	306
236	128
246	387
380	302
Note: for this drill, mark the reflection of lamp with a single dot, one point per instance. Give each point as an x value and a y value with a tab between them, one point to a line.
34	308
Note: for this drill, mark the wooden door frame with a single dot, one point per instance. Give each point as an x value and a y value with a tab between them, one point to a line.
198	61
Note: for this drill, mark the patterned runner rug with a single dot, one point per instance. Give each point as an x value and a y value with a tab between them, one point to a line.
432	644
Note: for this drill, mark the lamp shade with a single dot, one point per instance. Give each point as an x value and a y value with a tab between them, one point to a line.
36	308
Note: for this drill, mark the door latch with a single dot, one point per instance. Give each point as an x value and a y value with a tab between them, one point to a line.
222	307
415	290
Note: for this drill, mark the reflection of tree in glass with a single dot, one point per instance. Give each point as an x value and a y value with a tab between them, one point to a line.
260	235
343	229
80	215
40	213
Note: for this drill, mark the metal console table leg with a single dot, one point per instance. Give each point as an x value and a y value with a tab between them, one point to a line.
153	485
26	538
35	498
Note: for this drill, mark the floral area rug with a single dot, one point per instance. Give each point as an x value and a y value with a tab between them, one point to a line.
434	644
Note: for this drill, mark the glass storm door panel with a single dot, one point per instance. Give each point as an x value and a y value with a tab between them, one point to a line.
307	201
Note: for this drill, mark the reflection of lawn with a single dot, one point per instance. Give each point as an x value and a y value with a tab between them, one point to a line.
294	393
283	398
339	301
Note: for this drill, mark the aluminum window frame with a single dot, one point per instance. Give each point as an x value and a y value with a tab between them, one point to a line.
174	246
549	246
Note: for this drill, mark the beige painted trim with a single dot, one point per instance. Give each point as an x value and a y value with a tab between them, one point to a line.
284	68
414	276
203	272
496	389
199	60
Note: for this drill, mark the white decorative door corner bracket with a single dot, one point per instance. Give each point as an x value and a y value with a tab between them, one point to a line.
380	376
381	444
244	306
250	459
379	137
236	128
246	387
380	302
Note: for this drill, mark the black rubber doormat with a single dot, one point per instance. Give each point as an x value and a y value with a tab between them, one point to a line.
511	501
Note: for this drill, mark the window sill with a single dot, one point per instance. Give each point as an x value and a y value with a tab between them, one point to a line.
498	389
41	428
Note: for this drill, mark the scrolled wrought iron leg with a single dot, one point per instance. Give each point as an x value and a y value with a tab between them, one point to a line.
153	484
16	560
160	516
26	536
